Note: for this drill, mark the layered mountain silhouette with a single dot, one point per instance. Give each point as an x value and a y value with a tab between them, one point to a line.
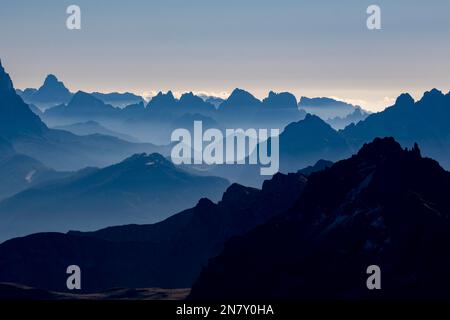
216	101
141	189
301	145
385	206
82	107
56	149
326	108
54	92
20	172
169	254
318	166
424	122
93	127
354	117
155	121
36	110
244	110
309	140
117	99
51	92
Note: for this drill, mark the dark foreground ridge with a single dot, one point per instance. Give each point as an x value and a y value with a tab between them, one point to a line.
169	254
385	206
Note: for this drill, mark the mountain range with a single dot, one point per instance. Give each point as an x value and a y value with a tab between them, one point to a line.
168	254
326	108
384	206
299	237
20	172
408	121
56	149
54	92
92	127
356	116
141	189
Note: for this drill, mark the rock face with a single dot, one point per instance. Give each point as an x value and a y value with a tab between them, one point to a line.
385	206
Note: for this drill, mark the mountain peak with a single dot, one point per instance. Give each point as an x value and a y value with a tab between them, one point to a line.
52	90
380	147
52	82
432	95
404	99
190	97
241	93
162	100
281	100
240	98
312	118
169	94
82	98
51	79
310	124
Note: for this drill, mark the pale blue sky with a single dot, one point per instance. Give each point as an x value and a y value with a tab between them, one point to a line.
312	48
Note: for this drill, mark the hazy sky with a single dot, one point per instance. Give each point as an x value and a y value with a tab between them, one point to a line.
311	48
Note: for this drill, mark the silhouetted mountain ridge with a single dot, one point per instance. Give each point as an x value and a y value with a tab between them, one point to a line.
141	189
168	254
384	206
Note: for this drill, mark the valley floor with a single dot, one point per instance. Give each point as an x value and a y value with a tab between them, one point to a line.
11	291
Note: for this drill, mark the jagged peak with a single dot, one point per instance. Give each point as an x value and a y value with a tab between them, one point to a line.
433	95
281	97
204	203
168	94
190	96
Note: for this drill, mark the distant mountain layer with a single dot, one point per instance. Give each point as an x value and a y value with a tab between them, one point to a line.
385	206
168	254
301	144
19	172
424	122
141	189
93	127
164	113
326	108
54	92
356	116
118	99
298	238
56	149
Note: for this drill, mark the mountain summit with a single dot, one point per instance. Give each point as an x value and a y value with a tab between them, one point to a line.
52	91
